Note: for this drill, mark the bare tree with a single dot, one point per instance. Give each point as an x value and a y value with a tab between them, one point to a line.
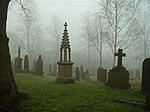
121	23
55	30
9	90
29	30
87	33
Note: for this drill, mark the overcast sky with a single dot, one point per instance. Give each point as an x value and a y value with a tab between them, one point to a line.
69	11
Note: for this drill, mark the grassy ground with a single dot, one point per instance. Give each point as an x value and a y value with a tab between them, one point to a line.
46	96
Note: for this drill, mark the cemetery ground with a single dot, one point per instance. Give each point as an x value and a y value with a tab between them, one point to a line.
44	95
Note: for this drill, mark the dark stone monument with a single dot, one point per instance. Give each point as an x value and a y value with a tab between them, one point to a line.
18	62
101	74
26	64
146	81
39	66
77	74
119	76
65	64
50	68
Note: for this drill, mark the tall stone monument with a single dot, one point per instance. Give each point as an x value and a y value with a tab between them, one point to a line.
119	76
146	81
18	62
65	64
77	74
26	64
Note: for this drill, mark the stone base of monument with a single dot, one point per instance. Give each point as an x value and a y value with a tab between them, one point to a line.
119	78
102	75
65	80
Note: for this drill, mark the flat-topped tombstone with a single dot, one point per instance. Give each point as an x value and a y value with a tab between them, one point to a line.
101	74
146	81
26	64
77	74
119	77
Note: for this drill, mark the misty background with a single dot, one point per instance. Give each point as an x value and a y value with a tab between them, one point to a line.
40	32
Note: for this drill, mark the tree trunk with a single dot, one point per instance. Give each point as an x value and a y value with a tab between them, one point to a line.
8	88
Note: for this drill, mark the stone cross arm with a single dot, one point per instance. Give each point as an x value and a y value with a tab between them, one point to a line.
120	54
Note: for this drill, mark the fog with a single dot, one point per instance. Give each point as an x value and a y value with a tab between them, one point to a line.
70	11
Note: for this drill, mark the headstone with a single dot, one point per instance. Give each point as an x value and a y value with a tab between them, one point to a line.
77	74
54	68
39	66
26	64
18	62
65	64
119	76
101	74
50	68
146	81
137	74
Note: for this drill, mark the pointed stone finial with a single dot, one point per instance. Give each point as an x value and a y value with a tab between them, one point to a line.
65	25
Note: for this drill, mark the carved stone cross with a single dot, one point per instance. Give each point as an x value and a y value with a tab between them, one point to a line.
120	54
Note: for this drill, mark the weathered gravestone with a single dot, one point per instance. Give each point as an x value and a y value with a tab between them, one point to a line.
26	64
77	74
39	66
65	64
119	76
101	74
146	81
18	62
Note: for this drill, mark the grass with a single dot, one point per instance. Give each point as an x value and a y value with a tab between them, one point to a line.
46	96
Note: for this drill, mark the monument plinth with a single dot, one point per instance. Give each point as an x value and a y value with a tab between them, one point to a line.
119	76
65	64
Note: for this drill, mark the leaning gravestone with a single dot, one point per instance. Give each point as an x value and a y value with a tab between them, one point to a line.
77	74
146	81
26	64
101	74
119	76
39	66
